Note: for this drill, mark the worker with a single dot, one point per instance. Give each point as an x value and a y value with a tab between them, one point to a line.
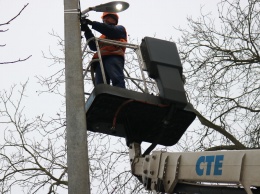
112	55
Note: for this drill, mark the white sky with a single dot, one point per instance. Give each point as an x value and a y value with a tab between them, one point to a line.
29	34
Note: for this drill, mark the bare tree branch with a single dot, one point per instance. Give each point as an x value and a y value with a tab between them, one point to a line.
219	129
9	21
6	23
19	60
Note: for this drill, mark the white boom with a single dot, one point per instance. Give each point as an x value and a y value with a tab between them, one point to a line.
164	170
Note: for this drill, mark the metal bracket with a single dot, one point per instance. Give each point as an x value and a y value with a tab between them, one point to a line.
72	11
134	153
169	172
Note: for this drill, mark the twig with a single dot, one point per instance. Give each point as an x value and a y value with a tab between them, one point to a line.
19	60
8	22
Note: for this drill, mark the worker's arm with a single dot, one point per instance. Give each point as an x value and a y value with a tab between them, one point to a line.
88	33
111	31
91	44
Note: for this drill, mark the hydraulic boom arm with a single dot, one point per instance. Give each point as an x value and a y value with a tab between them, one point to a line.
162	171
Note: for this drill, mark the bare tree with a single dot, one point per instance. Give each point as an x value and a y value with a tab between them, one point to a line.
222	61
33	153
222	68
5	30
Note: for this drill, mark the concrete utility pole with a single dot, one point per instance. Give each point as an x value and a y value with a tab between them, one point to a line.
77	154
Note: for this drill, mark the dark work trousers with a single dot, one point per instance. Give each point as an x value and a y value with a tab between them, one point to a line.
113	66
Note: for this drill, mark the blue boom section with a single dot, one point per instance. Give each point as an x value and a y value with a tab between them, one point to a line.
136	116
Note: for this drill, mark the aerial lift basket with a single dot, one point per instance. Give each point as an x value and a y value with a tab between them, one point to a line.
144	117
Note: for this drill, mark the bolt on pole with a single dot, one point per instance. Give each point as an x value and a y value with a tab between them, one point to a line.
76	137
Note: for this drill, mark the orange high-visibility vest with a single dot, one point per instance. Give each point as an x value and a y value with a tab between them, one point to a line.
108	49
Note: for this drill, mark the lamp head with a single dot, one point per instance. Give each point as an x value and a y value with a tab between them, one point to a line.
114	6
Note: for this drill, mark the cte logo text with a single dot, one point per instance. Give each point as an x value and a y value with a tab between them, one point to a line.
209	162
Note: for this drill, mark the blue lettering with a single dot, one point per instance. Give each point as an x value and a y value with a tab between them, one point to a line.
209	160
200	171
218	165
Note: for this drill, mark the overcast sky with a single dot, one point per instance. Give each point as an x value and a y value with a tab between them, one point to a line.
29	33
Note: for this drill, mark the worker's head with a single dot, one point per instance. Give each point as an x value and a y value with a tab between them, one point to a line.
110	18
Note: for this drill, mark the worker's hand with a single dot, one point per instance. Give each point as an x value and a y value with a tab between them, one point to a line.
84	24
84	27
86	21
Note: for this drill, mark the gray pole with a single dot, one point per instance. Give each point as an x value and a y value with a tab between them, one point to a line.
77	147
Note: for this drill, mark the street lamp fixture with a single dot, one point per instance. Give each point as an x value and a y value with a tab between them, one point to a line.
114	6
